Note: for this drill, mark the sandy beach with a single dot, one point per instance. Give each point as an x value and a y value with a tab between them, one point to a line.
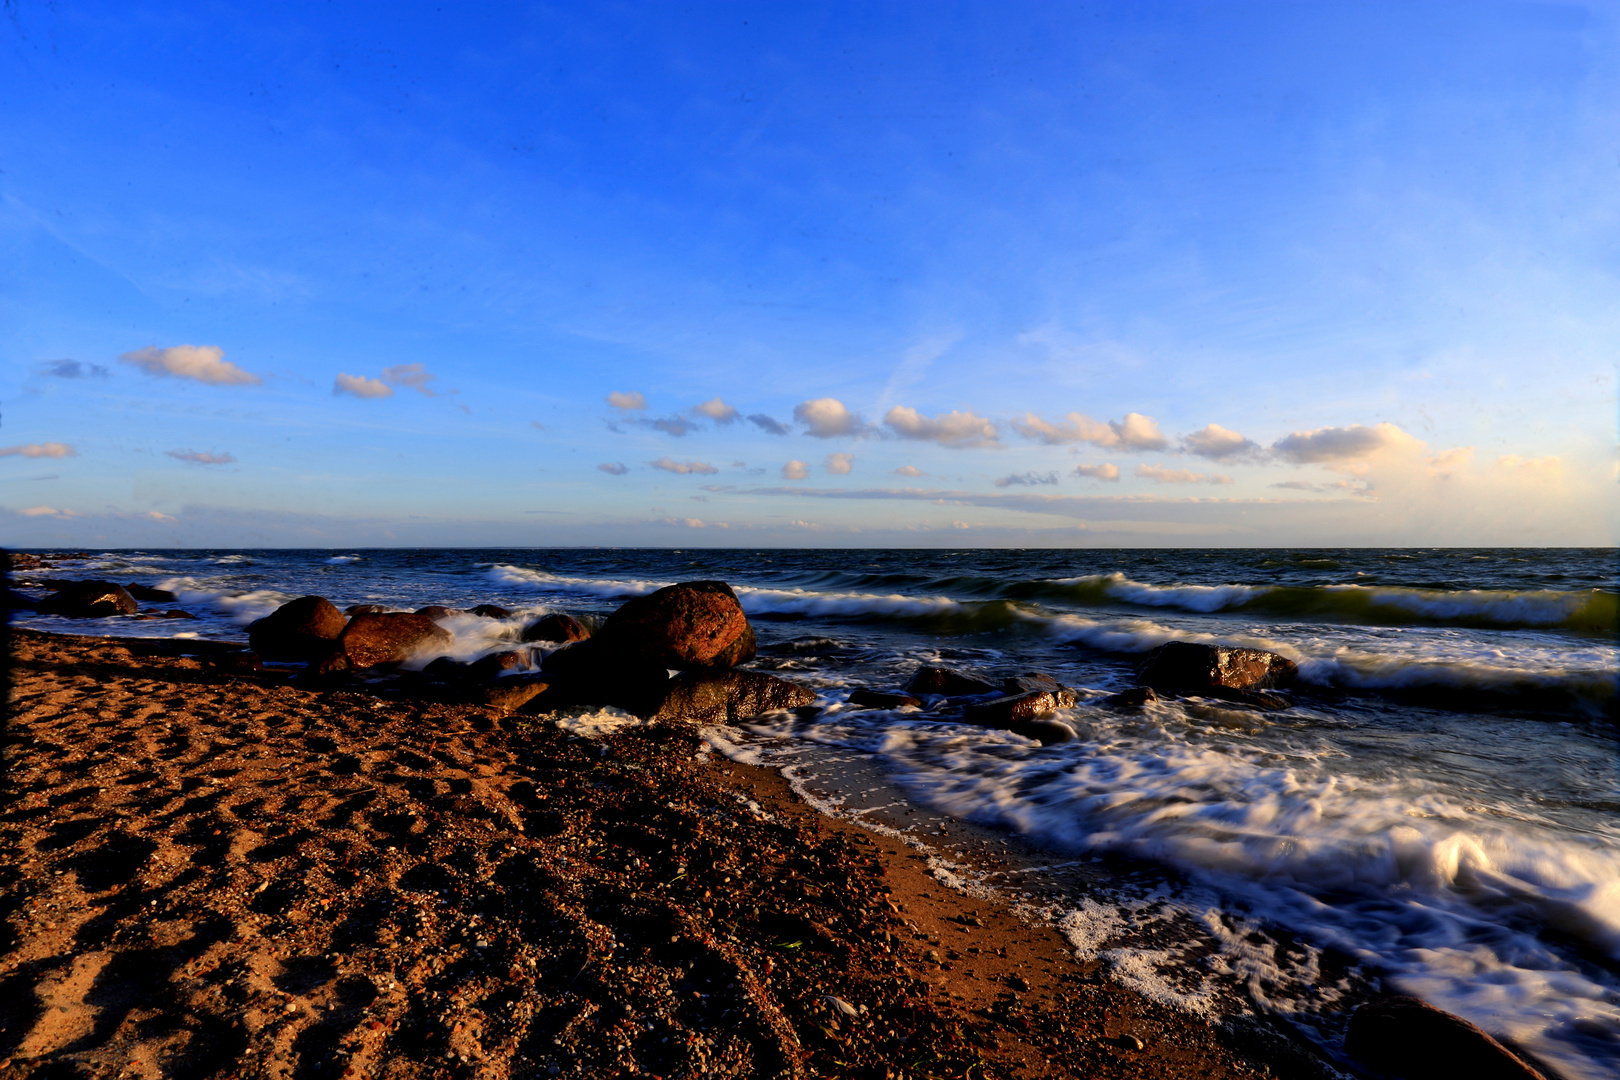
217	873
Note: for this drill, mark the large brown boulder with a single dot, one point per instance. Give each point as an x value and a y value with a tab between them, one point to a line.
587	673
146	592
1410	1039
556	627
938	680
697	624
1185	667
711	697
373	638
302	629
88	600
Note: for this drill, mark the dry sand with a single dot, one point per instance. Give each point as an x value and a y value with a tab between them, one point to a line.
209	873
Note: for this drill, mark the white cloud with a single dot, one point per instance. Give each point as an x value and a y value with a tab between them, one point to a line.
361	387
41	511
840	464
39	450
1028	479
826	418
909	470
768	425
197	457
683	467
1105	471
627	402
1135	432
1218	443
205	363
718	411
1179	476
414	376
613	468
1355	442
955	428
795	470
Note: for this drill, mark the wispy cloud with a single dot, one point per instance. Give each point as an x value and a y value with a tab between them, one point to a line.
718	411
1135	432
1027	479
767	424
1219	444
413	376
71	369
1105	471
683	467
955	428
827	418
1161	475
197	457
613	468
795	470
40	450
909	470
840	464
204	363
627	402
677	426
361	386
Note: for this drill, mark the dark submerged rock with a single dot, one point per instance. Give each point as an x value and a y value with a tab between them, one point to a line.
439	611
728	696
146	592
1185	667
938	680
491	611
588	673
881	699
1031	682
556	627
1408	1038
88	600
373	638
697	624
1134	698
302	629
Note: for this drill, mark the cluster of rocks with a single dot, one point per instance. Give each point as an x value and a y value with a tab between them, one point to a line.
671	655
1025	703
96	600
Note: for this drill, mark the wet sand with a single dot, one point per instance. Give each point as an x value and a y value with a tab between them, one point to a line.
209	873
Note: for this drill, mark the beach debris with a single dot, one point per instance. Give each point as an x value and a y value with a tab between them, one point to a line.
1186	667
842	1006
938	680
87	600
728	696
1408	1038
373	638
1127	1041
301	629
882	699
556	627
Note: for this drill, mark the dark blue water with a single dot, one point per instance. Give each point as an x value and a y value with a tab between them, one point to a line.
1440	801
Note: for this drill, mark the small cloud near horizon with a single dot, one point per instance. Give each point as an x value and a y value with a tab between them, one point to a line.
1340	443
795	470
1028	479
414	376
839	464
204	363
1135	432
955	429
683	468
40	450
71	369
1219	444
768	425
1106	471
827	418
909	470
197	457
614	468
718	411
627	402
1161	475
360	386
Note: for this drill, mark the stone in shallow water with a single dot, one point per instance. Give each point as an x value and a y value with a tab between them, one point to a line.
1408	1038
938	680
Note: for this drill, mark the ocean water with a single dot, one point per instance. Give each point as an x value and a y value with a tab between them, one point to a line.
1441	805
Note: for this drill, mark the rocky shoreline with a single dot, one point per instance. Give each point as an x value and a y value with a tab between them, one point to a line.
369	870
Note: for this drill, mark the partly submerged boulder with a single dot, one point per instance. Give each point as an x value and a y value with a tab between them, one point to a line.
439	611
1408	1038
587	673
373	638
1135	698
883	699
302	629
556	627
711	697
938	680
364	609
1186	667
146	592
88	600
1005	712
491	611
696	624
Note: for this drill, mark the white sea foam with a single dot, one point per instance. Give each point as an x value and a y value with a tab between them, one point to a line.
340	560
240	606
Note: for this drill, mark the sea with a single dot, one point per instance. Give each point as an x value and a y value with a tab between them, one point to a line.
1437	813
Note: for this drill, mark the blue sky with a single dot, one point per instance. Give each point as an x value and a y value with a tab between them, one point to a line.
789	274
